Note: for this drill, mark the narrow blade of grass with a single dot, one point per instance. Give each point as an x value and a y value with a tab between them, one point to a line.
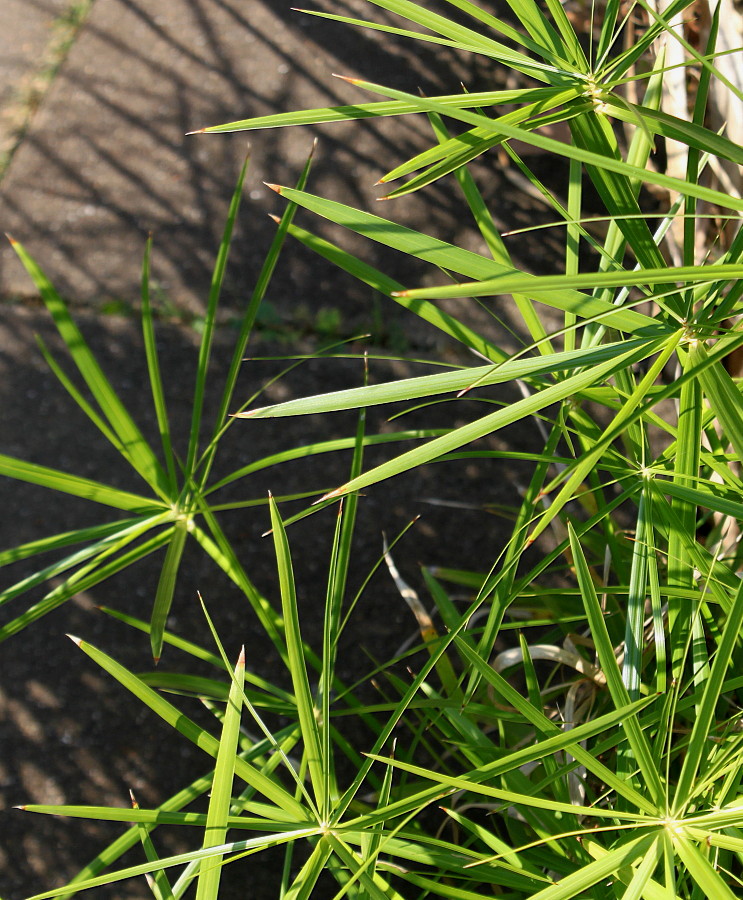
166	587
173	804
511	283
686	470
474	782
372	110
333	622
77	396
153	369
65	483
205	346
135	448
215	831
634	634
444	382
154	817
639	879
306	710
248	320
313	450
306	879
480	212
708	495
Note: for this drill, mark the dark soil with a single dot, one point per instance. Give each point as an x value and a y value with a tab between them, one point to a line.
72	735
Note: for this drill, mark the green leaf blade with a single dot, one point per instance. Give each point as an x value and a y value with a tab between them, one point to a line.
217	817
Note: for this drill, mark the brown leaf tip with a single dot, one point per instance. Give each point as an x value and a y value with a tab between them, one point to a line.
274	187
75	640
331	495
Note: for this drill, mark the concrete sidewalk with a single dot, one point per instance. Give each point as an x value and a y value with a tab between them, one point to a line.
106	159
27	31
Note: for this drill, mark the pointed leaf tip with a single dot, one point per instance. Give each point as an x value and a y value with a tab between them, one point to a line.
10	237
241	657
331	495
276	219
347	78
75	640
198	131
274	187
